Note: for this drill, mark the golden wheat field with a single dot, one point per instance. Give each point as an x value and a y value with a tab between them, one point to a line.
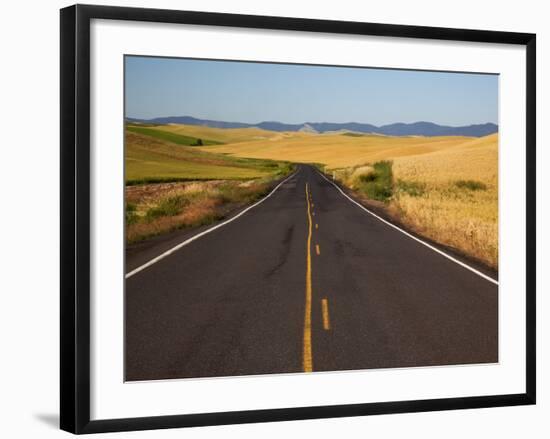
448	211
455	201
448	195
337	150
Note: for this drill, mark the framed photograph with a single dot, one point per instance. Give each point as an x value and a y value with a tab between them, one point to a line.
268	218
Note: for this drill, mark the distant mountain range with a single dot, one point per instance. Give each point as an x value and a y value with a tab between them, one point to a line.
395	129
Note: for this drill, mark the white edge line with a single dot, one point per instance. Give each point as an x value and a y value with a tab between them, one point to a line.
462	264
205	232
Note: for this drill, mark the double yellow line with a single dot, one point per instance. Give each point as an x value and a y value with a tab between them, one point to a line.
307	356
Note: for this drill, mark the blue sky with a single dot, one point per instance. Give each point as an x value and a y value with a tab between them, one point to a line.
254	92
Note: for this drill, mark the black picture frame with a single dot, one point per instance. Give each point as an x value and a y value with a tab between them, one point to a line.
75	217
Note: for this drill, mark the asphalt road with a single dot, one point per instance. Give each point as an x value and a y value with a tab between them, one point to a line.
304	281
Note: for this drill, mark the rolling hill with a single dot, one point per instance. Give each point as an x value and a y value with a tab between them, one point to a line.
150	159
427	129
341	150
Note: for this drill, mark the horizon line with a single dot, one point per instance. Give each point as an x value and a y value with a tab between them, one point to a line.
310	122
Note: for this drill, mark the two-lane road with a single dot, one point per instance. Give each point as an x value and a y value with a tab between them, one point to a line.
304	281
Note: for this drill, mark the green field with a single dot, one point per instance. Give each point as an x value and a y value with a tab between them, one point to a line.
221	135
151	159
168	136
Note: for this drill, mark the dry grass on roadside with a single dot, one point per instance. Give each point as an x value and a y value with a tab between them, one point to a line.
458	205
455	217
160	208
352	177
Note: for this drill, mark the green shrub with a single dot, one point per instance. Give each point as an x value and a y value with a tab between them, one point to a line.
378	185
367	178
130	213
412	188
472	185
170	206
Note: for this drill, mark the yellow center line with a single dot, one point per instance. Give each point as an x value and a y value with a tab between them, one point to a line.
308	360
316	225
317	249
326	319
